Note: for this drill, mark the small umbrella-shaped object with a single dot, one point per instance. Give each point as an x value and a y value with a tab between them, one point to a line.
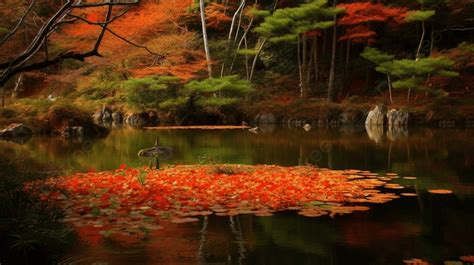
157	152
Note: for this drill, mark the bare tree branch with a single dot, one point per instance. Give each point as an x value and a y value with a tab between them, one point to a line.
20	64
103	25
123	3
18	24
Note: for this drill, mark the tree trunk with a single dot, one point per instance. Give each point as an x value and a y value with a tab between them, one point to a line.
348	57
300	68
242	40
3	96
423	32
389	81
308	72
316	61
18	84
229	39
304	66
204	36
254	63
331	89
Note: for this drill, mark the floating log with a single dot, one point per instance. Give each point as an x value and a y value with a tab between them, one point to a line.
199	127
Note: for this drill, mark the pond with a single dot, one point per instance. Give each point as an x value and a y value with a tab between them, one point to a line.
431	227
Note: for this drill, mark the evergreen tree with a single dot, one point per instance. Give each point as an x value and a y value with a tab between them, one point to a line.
379	58
148	92
292	24
412	73
212	92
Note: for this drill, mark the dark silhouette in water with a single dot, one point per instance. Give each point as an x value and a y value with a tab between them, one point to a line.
156	152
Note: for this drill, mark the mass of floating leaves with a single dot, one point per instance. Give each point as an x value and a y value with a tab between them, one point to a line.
140	199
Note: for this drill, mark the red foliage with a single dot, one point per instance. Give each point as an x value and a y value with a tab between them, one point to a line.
359	34
131	197
359	14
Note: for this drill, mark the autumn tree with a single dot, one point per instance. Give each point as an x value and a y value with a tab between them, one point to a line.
359	15
36	55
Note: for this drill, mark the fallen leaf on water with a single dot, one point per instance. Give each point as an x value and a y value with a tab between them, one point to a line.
394	186
416	262
440	191
407	194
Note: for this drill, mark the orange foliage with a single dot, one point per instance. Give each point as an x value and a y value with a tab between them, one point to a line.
215	15
358	14
129	197
155	24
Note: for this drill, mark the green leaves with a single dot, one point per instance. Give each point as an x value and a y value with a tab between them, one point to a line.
148	92
415	16
229	85
376	56
213	92
285	24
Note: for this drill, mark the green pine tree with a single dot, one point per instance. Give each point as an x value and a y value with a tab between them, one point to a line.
291	24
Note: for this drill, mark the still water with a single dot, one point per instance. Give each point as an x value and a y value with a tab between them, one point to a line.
436	228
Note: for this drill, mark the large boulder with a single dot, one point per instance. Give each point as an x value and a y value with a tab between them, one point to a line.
16	130
377	116
397	118
70	122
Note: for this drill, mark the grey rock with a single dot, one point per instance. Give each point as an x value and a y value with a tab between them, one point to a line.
397	118
16	130
117	117
377	116
106	115
136	120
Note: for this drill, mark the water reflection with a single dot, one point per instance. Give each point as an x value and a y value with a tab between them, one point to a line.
428	226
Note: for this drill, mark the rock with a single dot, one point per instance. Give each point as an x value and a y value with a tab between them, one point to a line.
137	120
265	118
307	127
117	117
103	115
16	130
397	118
376	116
106	115
97	117
73	132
